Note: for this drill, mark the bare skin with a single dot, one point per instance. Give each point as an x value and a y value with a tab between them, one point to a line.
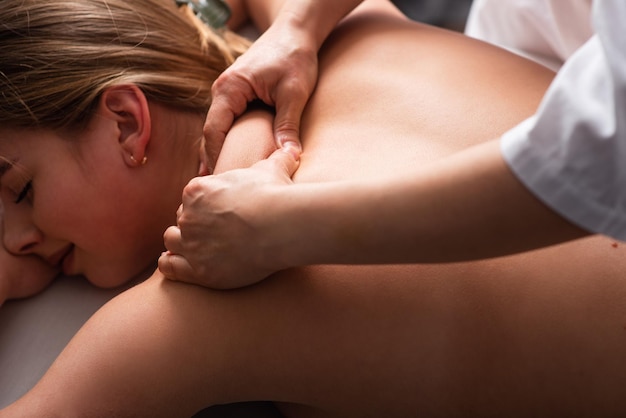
22	276
238	228
541	333
308	24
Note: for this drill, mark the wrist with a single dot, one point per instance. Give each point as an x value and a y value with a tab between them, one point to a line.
291	242
313	20
314	224
303	31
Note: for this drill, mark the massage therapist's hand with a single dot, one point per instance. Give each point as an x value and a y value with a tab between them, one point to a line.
227	225
280	69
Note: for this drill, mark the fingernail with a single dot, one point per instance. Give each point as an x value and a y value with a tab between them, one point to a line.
292	148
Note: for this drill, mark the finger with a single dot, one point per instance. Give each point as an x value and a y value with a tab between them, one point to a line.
287	122
193	190
172	240
179	212
205	167
231	94
219	120
286	159
175	267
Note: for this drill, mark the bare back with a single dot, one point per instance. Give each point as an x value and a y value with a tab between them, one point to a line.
404	94
394	95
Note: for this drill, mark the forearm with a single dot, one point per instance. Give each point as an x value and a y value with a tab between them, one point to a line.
465	207
22	276
312	18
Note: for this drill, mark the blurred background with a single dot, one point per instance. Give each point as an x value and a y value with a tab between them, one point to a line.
450	14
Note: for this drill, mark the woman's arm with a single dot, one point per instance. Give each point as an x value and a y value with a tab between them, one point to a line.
22	276
248	141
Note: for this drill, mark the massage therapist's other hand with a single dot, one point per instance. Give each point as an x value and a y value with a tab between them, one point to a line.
227	225
280	69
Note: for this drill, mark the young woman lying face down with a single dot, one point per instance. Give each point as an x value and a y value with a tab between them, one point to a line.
77	74
540	333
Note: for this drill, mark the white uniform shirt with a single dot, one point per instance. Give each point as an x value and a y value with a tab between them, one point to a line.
546	31
572	153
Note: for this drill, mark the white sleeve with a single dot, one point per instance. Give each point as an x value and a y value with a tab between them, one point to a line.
545	31
572	153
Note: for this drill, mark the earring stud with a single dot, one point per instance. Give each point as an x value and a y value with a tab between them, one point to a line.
144	160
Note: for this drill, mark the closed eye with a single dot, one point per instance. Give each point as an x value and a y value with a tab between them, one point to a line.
24	192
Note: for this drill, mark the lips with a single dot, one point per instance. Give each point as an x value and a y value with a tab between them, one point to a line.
56	259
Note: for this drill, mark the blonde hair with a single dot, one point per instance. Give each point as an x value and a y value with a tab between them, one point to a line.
57	57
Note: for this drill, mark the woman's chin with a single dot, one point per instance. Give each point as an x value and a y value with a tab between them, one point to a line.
112	278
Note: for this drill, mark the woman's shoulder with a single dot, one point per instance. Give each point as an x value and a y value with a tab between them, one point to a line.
251	139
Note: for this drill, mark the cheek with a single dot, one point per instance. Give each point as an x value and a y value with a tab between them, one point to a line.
118	246
119	234
117	231
103	224
61	209
110	256
80	205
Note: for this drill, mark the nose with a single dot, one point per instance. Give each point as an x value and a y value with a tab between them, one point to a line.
20	235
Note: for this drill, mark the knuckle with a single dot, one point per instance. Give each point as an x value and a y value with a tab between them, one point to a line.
286	131
297	86
166	267
168	234
193	189
209	132
222	82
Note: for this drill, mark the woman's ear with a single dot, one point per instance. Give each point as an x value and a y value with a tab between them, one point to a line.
127	106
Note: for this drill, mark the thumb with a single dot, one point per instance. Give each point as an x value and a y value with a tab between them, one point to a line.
287	123
286	158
